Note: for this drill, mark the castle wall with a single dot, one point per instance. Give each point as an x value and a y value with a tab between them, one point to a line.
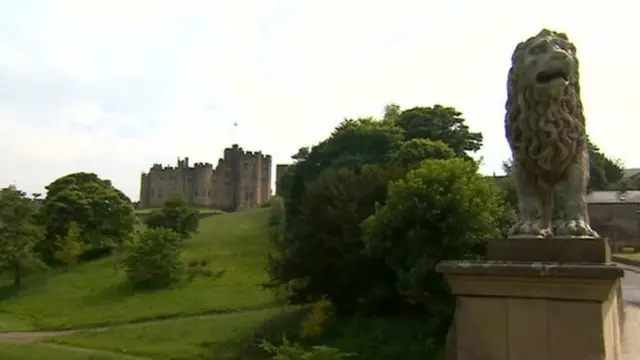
241	180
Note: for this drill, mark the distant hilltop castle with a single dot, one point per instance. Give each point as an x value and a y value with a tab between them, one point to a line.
241	180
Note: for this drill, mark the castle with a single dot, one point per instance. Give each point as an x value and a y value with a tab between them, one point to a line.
241	180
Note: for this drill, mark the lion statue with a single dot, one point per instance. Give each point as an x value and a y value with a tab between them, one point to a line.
545	128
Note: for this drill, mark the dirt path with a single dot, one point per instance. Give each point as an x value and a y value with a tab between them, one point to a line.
25	336
111	354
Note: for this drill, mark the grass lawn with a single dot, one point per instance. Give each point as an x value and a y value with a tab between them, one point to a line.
25	351
96	292
218	337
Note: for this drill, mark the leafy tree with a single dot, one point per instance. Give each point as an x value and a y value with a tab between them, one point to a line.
443	210
19	233
412	152
154	260
440	123
104	215
175	215
603	170
333	186
69	248
323	254
391	112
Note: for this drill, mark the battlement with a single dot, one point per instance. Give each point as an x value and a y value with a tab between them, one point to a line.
202	165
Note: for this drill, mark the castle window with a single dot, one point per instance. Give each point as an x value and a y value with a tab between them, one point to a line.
209	193
195	193
246	165
161	177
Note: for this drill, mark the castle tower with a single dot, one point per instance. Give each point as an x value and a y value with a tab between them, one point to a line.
234	158
267	167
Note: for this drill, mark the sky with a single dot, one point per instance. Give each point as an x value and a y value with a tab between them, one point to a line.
113	86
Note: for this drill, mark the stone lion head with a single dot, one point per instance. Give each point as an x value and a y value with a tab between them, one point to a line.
544	121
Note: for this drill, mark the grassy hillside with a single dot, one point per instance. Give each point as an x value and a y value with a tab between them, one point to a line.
96	293
19	351
228	313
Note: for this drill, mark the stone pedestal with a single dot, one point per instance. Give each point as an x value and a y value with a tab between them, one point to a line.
522	308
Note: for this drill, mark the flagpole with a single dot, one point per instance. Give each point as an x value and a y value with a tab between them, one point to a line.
234	134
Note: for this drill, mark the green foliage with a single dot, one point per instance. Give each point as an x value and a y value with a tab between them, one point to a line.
104	215
314	322
442	210
92	292
440	123
603	170
69	248
175	215
19	233
154	260
412	152
336	184
294	351
323	254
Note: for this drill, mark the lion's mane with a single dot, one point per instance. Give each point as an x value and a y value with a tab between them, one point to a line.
545	136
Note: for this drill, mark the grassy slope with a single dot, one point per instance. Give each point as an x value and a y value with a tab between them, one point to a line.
35	352
96	292
219	337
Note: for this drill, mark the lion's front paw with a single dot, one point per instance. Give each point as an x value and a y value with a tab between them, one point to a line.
577	228
531	228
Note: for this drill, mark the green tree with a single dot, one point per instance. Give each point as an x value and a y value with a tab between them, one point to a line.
104	215
175	215
19	233
412	152
154	260
69	247
391	112
440	123
323	255
336	184
443	210
603	171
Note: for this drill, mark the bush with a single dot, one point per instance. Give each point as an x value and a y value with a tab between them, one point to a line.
154	260
294	351
69	248
442	210
322	253
175	215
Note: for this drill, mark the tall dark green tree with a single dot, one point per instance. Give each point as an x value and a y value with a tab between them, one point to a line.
440	123
104	214
19	233
333	186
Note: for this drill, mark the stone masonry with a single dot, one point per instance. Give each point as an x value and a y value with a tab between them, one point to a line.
241	180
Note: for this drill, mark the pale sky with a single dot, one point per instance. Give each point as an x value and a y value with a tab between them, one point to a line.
112	86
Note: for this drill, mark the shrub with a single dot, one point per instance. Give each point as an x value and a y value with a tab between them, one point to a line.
314	323
442	210
69	248
154	260
321	254
294	351
175	215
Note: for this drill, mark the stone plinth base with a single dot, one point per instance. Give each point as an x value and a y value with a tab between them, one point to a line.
555	249
533	311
